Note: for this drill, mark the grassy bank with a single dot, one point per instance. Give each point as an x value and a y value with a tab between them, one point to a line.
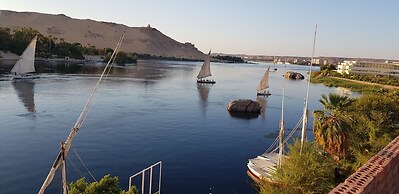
363	88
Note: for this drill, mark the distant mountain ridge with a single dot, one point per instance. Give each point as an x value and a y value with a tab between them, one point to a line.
143	40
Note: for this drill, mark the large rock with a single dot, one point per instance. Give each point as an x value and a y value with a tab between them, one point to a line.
244	105
293	75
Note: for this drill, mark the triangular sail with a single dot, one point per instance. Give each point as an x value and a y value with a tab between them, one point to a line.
264	82
206	67
26	62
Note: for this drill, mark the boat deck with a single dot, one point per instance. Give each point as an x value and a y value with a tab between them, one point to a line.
262	166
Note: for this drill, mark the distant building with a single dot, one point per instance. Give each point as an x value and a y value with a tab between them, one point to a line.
344	67
318	61
368	68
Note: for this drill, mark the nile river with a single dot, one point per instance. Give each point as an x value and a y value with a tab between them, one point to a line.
142	114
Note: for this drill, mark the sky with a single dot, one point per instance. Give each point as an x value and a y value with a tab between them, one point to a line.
346	28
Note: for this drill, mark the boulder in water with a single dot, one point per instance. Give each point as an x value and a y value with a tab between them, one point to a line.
293	75
245	106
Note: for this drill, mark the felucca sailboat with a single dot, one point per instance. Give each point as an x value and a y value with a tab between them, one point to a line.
264	84
263	166
26	62
205	71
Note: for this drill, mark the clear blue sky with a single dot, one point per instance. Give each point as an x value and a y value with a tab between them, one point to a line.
351	28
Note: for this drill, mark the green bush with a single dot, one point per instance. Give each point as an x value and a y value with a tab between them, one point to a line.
306	171
108	185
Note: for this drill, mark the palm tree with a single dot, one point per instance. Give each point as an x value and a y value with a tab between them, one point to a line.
331	126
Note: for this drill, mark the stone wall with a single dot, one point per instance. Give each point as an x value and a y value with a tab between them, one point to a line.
379	175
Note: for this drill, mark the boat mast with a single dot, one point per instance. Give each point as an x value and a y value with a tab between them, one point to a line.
65	146
305	109
63	173
281	133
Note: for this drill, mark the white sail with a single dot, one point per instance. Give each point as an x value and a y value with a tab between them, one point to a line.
206	67
26	62
264	82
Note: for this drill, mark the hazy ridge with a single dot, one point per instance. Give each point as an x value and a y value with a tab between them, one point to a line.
143	40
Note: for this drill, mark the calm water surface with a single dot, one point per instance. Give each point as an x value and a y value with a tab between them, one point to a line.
142	114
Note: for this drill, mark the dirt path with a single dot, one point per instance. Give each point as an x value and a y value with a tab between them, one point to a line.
368	83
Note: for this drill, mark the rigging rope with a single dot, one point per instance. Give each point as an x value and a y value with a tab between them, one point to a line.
86	109
68	142
285	140
84	165
77	169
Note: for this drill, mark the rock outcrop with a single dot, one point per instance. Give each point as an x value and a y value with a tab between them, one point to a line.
293	75
245	106
142	40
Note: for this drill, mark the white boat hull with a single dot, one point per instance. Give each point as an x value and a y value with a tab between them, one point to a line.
263	167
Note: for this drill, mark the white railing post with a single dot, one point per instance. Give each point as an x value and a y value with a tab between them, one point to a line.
150	178
142	183
149	192
160	175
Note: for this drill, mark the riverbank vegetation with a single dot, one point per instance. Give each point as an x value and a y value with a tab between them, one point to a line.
347	133
229	59
369	85
377	79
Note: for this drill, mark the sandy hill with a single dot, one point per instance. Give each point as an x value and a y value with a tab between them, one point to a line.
144	40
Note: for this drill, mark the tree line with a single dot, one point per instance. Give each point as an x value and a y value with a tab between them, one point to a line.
229	59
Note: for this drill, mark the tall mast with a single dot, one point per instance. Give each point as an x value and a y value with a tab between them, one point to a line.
60	159
281	133
305	108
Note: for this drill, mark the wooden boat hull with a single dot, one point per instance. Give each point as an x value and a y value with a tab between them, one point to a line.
25	77
206	81
263	94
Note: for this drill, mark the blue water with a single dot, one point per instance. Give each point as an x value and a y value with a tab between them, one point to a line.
142	114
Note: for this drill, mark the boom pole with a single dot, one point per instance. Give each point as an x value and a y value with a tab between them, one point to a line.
60	159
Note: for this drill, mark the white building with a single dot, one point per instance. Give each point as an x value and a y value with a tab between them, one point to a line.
344	67
368	68
317	61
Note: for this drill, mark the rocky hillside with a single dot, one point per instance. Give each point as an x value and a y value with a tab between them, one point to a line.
143	40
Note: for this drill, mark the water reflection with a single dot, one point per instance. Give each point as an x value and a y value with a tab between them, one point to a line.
262	102
25	92
344	91
203	92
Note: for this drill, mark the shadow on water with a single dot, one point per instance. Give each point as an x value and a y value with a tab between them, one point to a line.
263	103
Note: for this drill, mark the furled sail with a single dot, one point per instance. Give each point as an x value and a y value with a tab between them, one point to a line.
26	62
206	67
264	82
